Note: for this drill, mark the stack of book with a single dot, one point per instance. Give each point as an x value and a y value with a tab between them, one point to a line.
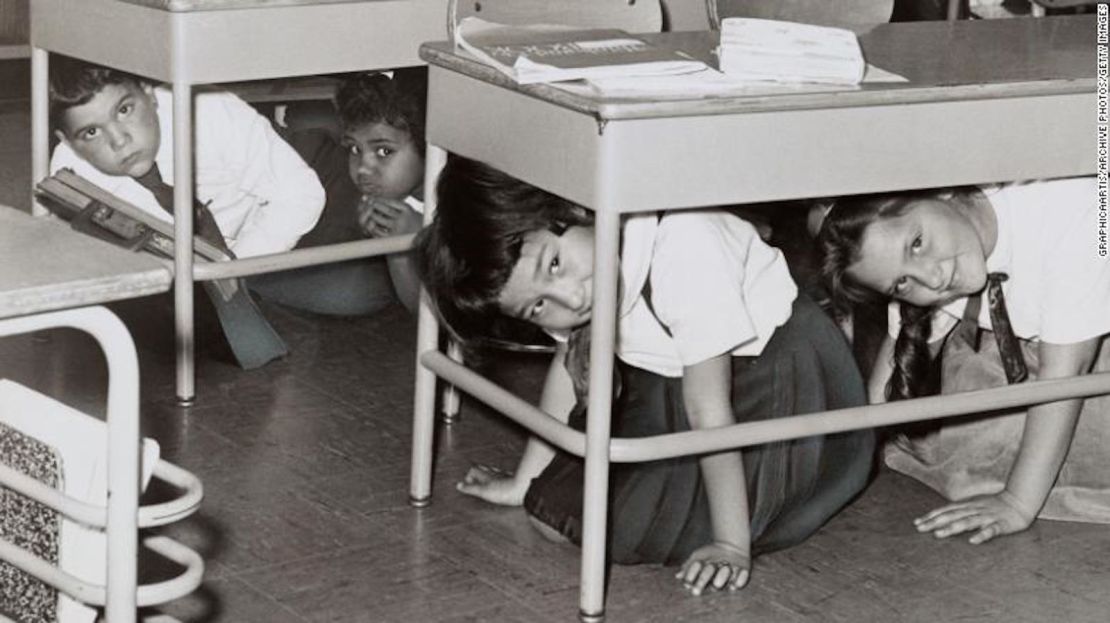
537	54
761	49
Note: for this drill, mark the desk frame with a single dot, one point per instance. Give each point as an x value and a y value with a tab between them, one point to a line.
622	157
37	294
186	48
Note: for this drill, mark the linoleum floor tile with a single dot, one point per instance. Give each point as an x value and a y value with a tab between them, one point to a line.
65	364
384	490
505	551
229	600
415	585
310	440
269	517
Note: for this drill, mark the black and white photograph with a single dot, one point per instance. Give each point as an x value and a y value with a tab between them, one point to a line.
634	311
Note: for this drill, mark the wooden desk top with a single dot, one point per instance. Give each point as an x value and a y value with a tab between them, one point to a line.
46	266
962	60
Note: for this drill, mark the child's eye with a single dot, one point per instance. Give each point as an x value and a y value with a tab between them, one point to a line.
89	134
553	267
126	109
537	309
383	152
917	243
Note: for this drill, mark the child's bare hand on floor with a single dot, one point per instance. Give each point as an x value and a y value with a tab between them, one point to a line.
715	566
380	217
988	516
493	485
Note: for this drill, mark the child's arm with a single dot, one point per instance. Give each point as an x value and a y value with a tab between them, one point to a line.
285	194
380	217
497	487
1049	429
706	389
881	371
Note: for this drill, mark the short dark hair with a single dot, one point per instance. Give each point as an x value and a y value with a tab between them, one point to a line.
465	256
400	101
74	82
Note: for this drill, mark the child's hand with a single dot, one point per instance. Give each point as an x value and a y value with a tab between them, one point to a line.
493	485
380	217
988	515
716	566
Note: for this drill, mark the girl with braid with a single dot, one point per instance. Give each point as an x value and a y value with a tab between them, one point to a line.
1004	283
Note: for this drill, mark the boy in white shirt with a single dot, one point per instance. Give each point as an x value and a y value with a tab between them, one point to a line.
116	130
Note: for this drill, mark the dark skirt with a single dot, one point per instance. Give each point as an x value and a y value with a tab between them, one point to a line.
658	510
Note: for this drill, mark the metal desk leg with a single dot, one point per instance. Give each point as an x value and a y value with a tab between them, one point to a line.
183	240
450	402
427	338
40	122
596	489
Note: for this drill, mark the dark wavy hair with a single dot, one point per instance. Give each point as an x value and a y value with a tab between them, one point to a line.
74	82
400	101
465	256
839	241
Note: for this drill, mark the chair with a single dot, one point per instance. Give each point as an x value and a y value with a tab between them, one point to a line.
629	15
842	13
1037	8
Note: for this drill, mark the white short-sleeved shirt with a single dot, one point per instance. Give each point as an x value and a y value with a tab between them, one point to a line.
715	284
1058	289
263	195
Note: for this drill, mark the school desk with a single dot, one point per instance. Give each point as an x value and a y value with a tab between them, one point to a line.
986	101
190	42
51	276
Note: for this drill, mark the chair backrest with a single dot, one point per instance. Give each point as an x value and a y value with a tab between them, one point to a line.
843	13
628	15
958	9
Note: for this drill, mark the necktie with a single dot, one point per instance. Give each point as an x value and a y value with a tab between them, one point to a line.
1008	346
251	338
204	223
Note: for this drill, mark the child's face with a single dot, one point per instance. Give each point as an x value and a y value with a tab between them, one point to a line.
551	285
383	161
930	255
116	131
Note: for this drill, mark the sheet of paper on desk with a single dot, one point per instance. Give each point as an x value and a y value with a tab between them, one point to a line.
545	53
764	49
711	83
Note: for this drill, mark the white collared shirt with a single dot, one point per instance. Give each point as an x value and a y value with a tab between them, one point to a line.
715	284
263	195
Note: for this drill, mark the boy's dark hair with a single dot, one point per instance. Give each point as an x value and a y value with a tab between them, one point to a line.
399	101
465	256
74	82
839	241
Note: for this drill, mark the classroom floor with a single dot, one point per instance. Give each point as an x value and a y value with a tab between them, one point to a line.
305	518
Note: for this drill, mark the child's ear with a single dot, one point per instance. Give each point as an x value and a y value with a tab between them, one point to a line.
61	136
